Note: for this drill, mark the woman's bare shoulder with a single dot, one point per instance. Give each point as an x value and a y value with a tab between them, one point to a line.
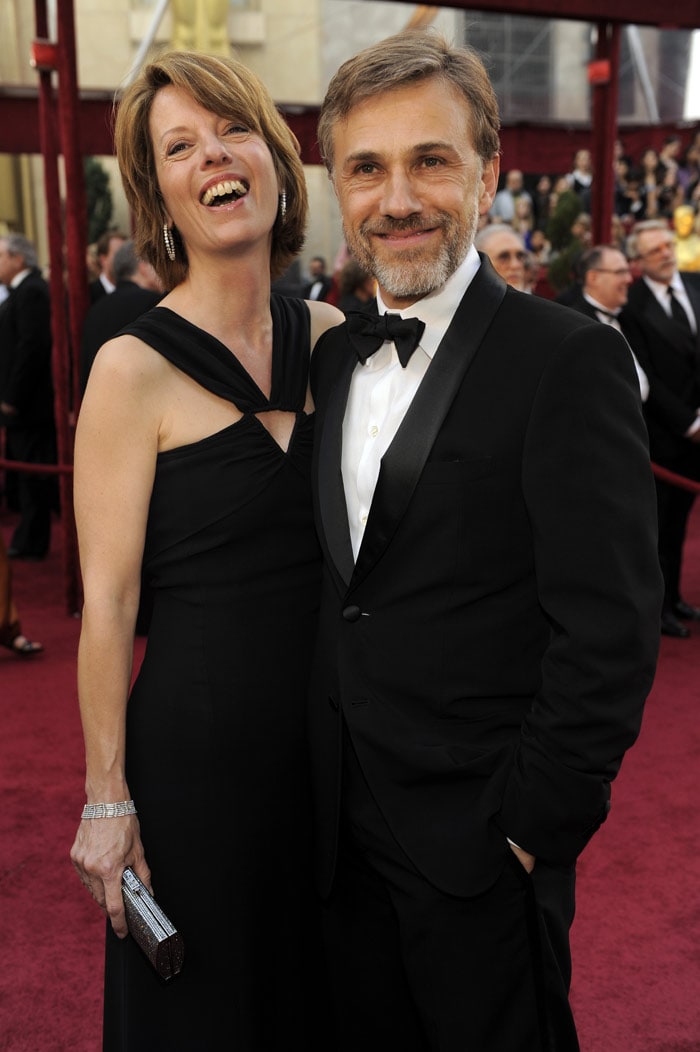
324	316
126	363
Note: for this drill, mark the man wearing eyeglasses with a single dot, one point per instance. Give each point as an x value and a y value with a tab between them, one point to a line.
661	321
506	250
606	278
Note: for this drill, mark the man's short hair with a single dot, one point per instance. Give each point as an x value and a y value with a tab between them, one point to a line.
406	59
102	245
21	246
592	258
484	236
125	263
639	228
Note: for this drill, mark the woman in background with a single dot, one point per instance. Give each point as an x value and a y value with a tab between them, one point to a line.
193	457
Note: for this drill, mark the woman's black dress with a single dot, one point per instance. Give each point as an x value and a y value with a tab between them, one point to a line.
216	756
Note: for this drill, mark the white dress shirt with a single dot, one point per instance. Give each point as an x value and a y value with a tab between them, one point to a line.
381	392
609	317
19	278
107	285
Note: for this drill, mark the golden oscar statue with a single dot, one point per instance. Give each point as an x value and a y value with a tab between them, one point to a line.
201	25
686	238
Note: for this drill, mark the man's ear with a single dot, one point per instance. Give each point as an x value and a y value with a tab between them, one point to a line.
489	183
331	179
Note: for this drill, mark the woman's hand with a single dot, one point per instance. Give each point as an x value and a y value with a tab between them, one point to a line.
102	850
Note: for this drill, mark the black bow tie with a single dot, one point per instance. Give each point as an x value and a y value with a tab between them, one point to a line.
368	332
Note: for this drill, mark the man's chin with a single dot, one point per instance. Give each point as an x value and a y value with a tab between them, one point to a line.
414	281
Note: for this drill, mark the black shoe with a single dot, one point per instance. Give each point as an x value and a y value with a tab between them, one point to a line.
671	626
686	611
15	553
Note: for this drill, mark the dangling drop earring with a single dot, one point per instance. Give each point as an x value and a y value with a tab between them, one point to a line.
169	242
283	205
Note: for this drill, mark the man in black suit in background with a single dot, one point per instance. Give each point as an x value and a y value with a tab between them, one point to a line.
320	284
107	247
26	391
662	322
606	277
490	607
137	289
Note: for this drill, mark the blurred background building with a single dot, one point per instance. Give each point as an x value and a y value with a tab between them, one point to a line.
539	67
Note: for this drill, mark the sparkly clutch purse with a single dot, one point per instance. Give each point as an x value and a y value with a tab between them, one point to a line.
150	928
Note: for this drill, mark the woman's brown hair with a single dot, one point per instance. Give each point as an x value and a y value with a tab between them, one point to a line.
228	89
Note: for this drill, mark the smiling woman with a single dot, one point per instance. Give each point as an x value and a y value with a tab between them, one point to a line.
192	468
226	90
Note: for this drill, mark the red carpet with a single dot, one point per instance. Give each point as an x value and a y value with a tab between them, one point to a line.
636	938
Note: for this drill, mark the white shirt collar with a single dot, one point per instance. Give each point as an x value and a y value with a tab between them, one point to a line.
437	308
19	278
599	306
659	287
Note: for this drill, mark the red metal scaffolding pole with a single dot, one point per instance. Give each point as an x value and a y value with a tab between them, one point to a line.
604	74
46	58
76	201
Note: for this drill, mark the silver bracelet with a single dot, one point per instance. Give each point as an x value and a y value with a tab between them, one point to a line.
118	810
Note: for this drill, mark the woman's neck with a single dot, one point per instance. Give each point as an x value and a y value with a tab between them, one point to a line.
226	297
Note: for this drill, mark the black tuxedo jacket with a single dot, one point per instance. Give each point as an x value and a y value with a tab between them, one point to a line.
491	650
670	356
108	315
25	351
326	286
577	301
96	290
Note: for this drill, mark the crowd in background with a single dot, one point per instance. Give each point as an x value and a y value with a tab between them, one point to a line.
550	214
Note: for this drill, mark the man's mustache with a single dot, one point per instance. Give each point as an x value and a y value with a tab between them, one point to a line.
399	226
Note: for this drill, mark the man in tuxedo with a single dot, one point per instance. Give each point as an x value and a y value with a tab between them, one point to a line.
108	245
606	277
138	288
26	391
320	284
490	606
662	322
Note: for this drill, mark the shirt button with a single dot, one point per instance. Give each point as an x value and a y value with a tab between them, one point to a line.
373	431
363	520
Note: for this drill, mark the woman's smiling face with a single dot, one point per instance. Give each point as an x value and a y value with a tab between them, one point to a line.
216	176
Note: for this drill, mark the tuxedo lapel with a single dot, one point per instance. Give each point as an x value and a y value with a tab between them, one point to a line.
405	458
334	513
694	296
668	329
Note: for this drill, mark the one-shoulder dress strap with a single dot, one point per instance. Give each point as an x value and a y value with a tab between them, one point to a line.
201	356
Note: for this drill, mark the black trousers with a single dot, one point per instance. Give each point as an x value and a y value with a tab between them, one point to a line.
415	969
36	493
674	506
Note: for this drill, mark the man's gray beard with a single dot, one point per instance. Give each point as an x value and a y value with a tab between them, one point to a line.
415	278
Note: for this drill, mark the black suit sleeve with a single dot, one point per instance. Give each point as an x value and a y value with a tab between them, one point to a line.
590	498
31	343
664	404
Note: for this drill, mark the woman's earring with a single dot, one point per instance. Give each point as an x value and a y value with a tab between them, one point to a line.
169	242
283	205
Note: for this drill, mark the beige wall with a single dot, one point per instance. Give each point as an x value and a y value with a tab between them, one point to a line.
293	45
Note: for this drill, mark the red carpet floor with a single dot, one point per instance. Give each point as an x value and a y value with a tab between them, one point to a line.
636	938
